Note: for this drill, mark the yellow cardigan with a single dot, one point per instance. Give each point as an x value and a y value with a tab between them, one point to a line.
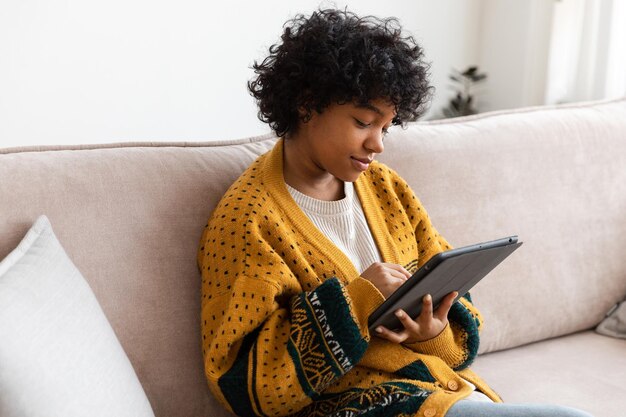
284	312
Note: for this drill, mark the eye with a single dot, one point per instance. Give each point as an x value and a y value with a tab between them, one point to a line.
360	123
385	130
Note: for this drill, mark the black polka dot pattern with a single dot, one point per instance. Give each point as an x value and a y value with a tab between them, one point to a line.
258	253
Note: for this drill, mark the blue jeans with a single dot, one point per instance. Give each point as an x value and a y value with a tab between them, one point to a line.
485	409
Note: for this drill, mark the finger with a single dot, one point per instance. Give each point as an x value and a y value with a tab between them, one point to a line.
394	274
446	305
427	308
398	282
397	274
406	274
409	324
392	285
385	333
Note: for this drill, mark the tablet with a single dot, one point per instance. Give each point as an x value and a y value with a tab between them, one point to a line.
453	270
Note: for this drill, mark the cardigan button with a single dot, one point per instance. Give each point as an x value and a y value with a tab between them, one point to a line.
453	385
430	412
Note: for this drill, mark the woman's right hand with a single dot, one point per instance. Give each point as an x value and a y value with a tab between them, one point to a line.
386	277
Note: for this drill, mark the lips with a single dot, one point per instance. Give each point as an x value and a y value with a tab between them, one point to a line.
363	160
361	163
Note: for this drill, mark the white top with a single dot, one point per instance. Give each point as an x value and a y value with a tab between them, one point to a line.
344	223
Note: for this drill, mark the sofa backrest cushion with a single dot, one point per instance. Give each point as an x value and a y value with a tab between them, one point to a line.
554	176
131	216
131	219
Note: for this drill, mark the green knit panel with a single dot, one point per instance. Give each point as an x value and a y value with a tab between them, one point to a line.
325	341
462	316
382	400
417	371
234	383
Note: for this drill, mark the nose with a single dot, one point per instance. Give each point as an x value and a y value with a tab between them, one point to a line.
374	142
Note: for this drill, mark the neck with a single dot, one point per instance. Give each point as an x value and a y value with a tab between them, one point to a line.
303	175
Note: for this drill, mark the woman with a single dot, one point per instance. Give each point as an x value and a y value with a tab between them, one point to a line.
315	234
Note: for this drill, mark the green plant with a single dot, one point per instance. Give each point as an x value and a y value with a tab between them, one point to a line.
463	104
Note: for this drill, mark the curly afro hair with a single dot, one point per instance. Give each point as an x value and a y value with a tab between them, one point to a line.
334	56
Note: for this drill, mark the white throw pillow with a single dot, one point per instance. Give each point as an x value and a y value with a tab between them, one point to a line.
59	355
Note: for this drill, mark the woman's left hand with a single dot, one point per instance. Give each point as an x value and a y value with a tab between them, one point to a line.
427	325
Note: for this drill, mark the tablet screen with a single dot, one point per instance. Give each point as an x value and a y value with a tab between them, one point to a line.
454	270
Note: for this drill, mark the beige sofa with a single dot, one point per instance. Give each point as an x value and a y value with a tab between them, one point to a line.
130	217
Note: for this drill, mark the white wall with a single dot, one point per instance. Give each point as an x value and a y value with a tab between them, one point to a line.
587	51
513	50
85	71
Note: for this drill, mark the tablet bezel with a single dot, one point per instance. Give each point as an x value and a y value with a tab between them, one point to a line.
384	314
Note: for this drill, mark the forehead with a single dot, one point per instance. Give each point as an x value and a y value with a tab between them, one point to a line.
381	107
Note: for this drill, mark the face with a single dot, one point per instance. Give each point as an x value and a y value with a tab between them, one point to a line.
343	139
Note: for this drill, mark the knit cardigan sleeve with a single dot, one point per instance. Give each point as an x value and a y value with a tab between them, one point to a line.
269	347
458	343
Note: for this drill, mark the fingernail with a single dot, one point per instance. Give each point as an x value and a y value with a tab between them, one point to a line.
399	314
379	330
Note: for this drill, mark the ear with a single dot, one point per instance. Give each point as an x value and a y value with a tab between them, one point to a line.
304	114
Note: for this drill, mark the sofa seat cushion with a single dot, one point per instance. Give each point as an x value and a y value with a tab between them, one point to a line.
59	355
584	370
